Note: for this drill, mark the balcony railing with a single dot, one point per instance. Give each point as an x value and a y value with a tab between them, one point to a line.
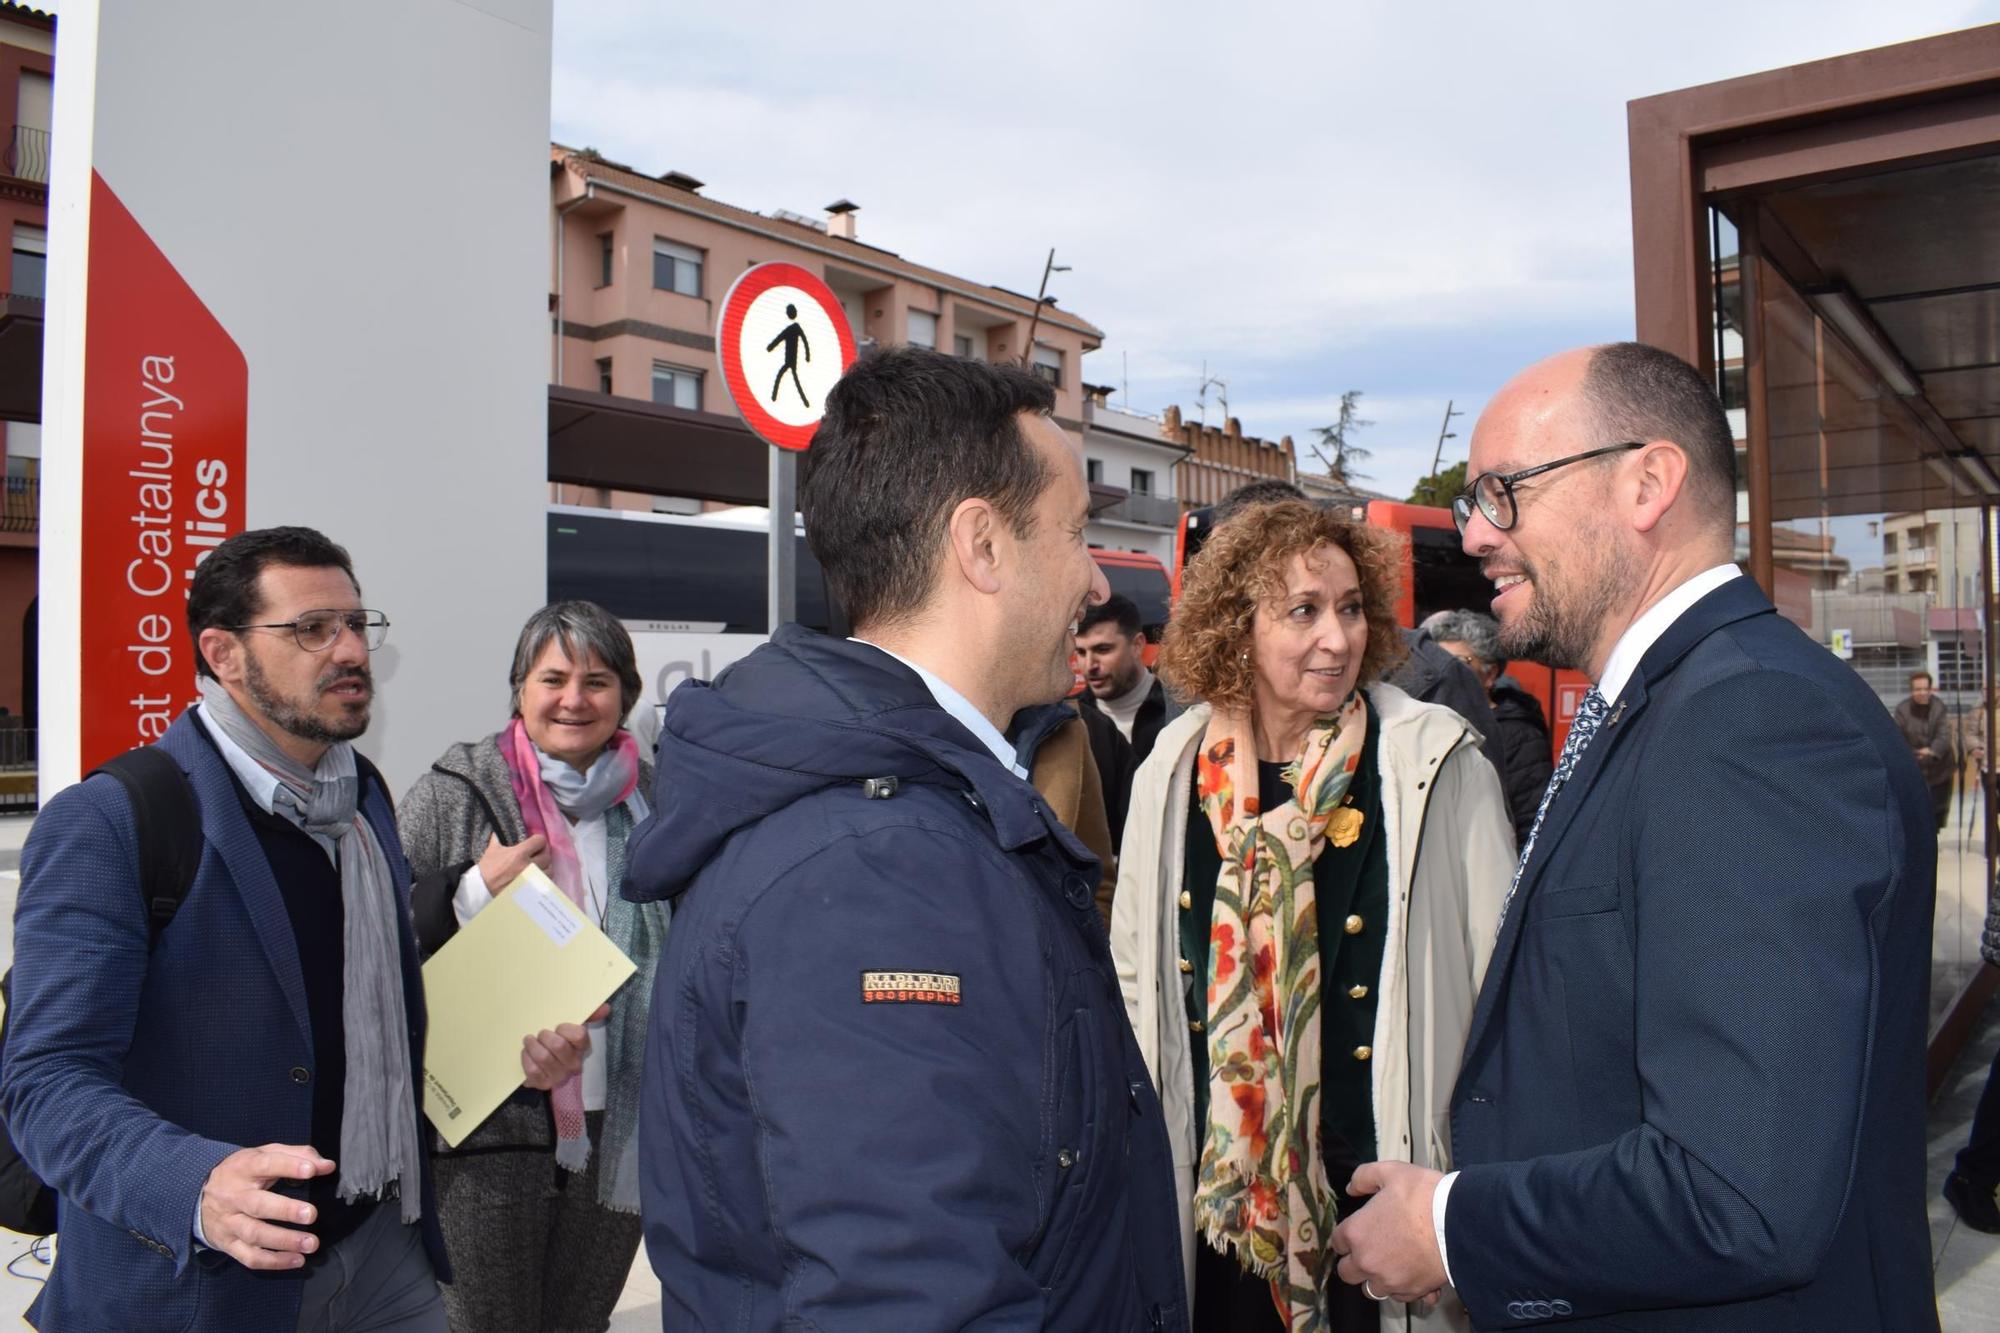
21	504
1152	510
27	155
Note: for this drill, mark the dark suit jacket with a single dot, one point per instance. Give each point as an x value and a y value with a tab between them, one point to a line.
1693	1092
130	1075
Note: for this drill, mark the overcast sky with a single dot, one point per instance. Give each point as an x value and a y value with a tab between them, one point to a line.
1413	200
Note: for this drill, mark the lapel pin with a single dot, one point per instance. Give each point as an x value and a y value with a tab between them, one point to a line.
1616	713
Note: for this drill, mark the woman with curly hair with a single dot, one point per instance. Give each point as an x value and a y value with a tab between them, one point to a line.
1316	864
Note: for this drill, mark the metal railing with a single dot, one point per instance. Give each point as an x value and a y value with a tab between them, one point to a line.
1156	511
27	155
18	778
21	505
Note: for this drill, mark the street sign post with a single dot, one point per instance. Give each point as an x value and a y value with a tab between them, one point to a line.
782	340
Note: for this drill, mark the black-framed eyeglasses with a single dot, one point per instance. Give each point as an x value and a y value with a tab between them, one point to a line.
1493	492
317	630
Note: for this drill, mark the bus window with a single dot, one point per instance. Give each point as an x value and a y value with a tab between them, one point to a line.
659	569
1145	584
1442	576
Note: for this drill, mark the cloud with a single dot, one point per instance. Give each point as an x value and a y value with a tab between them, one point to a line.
1406	199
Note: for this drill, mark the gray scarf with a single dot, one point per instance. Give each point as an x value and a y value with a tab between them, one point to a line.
378	1122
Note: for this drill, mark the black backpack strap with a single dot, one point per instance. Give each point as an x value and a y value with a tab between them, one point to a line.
168	822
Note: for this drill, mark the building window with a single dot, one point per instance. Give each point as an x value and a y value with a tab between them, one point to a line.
923	329
31	261
604	375
1142	481
676	268
1093	471
604	260
961	345
1049	364
677	386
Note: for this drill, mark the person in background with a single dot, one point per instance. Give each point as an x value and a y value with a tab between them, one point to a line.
540	1204
1975	1176
1926	723
1310	881
1112	648
1474	639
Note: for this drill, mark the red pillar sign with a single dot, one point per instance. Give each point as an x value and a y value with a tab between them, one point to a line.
164	416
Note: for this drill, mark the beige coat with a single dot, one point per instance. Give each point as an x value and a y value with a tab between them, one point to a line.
1451	855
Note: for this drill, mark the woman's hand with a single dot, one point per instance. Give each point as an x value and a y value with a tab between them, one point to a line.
553	1055
500	865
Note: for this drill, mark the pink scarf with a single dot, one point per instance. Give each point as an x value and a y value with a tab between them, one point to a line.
541	814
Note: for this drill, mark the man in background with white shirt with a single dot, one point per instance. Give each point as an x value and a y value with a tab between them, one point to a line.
1112	648
889	1083
1693	1093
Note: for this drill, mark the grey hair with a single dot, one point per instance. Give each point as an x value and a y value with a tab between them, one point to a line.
1475	629
582	628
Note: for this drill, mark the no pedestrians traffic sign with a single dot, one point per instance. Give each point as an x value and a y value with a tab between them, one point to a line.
783	340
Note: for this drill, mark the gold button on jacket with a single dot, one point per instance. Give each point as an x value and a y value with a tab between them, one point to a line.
1355	925
1187	900
1357	993
1363	1052
1186	966
1196	1025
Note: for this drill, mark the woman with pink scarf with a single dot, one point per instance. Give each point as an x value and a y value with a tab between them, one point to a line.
540	1205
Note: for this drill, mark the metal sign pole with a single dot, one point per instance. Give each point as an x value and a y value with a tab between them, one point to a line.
782	557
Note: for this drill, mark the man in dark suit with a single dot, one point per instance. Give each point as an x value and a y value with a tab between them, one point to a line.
1692	1095
230	1114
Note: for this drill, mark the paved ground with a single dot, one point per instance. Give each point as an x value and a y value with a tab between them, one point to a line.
1968	1264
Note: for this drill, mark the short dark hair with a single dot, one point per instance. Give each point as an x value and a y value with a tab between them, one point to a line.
1268	491
1638	392
909	434
1118	610
582	628
1925	676
224	589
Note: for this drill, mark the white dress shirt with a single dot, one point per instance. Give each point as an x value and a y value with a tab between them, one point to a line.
961	708
1625	657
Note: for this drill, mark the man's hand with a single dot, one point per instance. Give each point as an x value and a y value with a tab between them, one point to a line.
238	1210
500	865
1389	1242
552	1055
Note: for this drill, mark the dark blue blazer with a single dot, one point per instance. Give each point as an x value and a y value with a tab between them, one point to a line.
130	1075
1693	1092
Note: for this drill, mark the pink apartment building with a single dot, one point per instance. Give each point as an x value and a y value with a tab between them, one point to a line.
637	407
27	65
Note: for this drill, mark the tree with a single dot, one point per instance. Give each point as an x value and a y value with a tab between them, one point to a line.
1336	448
1439	490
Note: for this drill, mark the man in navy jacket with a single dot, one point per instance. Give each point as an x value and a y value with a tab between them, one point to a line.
889	1082
1692	1095
234	1144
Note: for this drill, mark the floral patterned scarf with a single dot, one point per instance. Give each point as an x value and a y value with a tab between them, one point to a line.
1262	1190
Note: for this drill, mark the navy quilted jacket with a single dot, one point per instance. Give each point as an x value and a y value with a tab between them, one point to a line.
889	1083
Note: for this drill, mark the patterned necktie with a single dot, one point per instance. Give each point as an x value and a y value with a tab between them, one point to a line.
1589	717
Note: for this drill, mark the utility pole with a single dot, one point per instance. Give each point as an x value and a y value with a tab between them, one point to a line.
1041	299
1445	432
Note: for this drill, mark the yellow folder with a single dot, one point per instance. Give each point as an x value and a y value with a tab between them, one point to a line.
530	960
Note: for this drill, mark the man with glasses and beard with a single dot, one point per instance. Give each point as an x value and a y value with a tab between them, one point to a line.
1693	1091
228	1106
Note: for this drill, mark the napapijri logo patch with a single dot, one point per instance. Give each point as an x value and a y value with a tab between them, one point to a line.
909	988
